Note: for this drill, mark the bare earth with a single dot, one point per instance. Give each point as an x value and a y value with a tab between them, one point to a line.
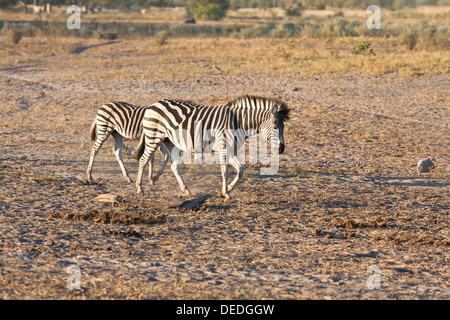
347	195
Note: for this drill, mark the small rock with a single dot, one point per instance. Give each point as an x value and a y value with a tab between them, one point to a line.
111	198
425	165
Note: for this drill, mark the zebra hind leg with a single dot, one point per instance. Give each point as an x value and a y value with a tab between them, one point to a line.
161	170
101	137
149	148
118	140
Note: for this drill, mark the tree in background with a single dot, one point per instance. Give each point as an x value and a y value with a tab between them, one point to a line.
6	3
219	7
208	9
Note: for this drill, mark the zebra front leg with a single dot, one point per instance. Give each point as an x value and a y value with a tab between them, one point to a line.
176	171
176	162
118	140
240	172
224	171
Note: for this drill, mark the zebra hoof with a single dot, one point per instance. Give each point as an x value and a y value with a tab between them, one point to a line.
186	192
226	196
89	182
154	179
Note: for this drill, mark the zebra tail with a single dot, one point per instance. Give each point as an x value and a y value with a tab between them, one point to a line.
140	148
93	131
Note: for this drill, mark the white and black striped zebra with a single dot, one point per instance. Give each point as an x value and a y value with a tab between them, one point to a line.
178	124
121	120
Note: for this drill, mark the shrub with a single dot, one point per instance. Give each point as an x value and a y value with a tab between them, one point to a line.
340	27
16	35
161	37
409	39
433	38
362	48
279	33
107	35
310	31
294	11
6	3
210	11
13	32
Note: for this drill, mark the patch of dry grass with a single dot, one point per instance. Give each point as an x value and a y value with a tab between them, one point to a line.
109	217
233	57
347	194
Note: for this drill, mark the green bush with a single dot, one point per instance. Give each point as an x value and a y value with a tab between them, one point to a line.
191	5
362	48
210	11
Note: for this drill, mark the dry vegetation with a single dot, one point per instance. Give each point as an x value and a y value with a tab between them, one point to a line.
347	195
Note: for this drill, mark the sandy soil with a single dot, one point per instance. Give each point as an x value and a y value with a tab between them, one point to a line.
347	195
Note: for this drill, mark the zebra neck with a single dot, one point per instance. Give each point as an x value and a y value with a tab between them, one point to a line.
249	119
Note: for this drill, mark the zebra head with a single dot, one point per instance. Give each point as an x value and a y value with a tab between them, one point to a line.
272	128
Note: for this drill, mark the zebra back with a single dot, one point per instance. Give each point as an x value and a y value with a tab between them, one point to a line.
122	117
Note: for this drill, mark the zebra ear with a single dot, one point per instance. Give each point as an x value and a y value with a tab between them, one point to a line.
274	108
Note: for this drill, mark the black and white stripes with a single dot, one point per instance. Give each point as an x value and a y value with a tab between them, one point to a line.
181	125
121	120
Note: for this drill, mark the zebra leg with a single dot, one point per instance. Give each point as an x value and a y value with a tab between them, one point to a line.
176	171
101	138
118	140
150	169
161	170
176	162
240	172
224	170
150	146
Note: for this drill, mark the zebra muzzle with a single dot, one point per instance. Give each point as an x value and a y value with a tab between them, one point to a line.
281	148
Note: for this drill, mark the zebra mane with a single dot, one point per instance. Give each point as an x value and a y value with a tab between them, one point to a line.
283	110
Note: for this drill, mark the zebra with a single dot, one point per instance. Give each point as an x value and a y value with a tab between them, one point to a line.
121	120
164	120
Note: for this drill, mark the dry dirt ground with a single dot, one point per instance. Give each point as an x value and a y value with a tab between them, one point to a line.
347	200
